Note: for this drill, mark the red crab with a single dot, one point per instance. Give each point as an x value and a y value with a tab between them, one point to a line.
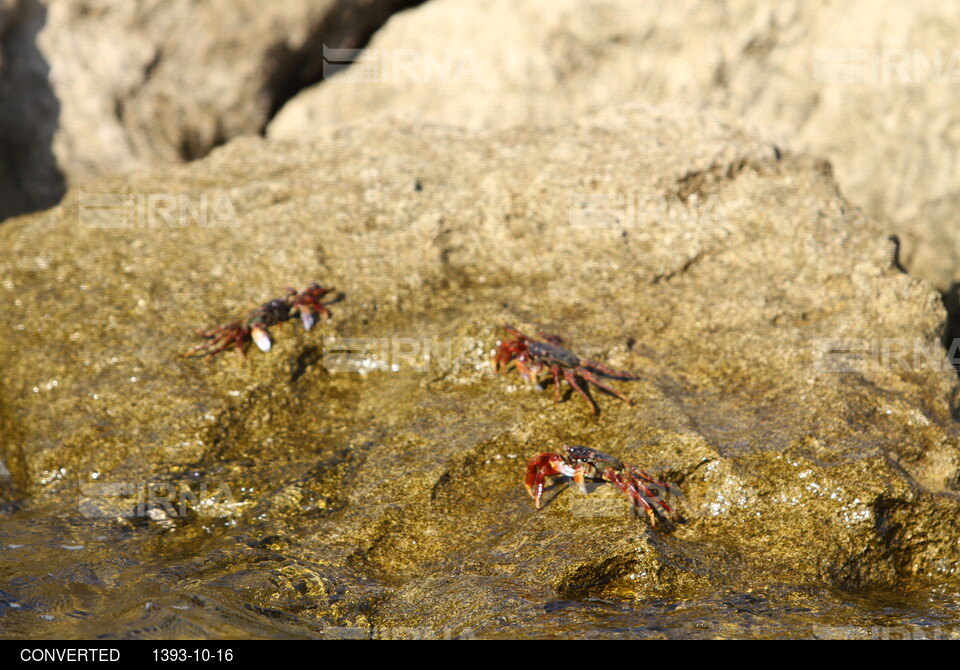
305	304
532	356
583	463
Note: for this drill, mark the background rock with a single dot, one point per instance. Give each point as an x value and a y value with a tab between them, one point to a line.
390	504
873	86
93	87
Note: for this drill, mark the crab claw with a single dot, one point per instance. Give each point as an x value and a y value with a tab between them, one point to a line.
308	318
528	372
543	466
261	337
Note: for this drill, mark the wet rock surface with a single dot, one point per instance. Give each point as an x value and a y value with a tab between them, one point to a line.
364	490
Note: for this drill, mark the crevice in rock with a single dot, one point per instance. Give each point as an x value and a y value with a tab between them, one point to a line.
950	340
588	578
895	255
706	182
343	28
193	146
120	104
951	332
667	276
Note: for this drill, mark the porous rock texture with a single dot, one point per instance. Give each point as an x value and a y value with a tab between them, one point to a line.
872	86
384	496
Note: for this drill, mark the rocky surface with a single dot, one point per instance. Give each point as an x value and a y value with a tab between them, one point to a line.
673	244
92	87
872	86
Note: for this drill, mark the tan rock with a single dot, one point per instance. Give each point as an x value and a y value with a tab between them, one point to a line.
93	88
873	86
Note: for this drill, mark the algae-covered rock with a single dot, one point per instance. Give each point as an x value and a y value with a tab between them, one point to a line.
792	387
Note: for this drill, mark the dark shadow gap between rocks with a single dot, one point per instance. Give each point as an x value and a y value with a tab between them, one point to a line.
30	179
296	70
951	334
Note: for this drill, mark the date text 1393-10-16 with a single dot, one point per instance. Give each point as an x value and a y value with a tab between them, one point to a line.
199	654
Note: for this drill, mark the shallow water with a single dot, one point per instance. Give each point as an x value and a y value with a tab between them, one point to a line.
77	578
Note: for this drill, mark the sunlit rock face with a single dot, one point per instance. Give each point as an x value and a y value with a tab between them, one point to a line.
872	86
791	387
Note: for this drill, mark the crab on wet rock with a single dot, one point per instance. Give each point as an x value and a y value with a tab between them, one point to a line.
583	463
304	305
531	357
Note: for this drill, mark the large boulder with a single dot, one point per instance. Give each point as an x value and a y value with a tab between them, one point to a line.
870	85
791	387
91	88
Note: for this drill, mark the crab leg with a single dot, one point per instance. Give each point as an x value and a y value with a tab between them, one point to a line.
580	477
497	361
618	374
528	372
571	377
641	474
234	334
555	369
609	389
637	475
630	490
